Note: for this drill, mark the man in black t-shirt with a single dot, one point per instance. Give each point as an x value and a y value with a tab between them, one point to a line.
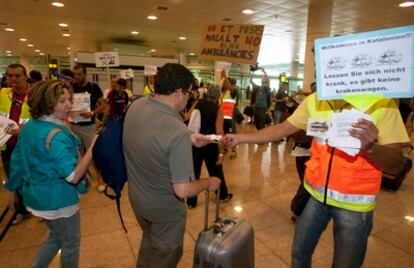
85	130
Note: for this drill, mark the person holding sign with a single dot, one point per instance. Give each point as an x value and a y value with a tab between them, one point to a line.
342	187
149	86
13	105
88	102
261	100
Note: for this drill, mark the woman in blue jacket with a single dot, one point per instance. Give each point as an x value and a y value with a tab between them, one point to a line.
46	171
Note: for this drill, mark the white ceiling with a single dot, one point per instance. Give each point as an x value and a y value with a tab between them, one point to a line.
92	23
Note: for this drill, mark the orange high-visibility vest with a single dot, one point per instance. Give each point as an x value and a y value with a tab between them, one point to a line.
334	177
227	105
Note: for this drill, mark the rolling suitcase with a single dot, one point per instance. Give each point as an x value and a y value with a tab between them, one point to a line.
229	243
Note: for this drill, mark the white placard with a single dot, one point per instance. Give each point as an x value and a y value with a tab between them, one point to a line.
106	59
81	104
150	70
6	125
379	62
127	74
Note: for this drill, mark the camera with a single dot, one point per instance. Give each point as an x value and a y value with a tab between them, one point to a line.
254	67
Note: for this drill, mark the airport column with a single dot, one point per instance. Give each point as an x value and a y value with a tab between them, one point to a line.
319	25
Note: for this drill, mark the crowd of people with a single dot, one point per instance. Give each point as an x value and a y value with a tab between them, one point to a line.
164	157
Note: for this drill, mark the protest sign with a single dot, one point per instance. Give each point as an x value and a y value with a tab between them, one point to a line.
150	70
106	59
378	62
231	42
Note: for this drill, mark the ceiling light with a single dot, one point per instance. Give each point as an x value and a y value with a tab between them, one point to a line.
152	17
248	11
68	48
406	4
8	51
41	54
30	45
9	29
23	39
63	25
75	59
37	50
134	32
152	51
191	54
182	37
57	4
9	55
66	35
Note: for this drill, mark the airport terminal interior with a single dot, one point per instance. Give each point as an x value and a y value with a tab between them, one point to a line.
50	37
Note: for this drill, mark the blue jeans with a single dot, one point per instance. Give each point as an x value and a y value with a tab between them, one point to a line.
351	232
64	234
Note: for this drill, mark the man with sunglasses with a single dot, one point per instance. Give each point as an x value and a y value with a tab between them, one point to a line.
158	157
13	105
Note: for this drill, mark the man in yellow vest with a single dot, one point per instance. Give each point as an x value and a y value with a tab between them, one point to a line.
228	103
13	105
342	187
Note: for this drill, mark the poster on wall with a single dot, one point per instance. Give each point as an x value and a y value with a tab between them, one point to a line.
378	62
106	59
237	43
150	70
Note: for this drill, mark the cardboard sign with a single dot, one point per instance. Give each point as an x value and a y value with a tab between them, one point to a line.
150	70
378	62
106	59
231	42
127	74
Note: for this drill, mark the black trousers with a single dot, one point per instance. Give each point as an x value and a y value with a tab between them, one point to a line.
208	154
5	159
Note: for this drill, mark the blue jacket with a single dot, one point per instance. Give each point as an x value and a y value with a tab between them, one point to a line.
39	174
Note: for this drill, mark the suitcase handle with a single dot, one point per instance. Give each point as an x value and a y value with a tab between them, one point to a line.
206	207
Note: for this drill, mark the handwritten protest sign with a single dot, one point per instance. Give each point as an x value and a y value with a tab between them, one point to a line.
231	42
378	62
150	70
106	59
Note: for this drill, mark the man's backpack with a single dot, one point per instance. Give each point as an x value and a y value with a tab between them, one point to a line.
109	159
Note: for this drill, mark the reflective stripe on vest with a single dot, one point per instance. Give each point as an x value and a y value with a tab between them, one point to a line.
353	180
353	202
227	106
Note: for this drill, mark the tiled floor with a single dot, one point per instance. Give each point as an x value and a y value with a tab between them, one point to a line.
263	179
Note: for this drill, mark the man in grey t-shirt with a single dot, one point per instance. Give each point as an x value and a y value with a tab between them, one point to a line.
158	155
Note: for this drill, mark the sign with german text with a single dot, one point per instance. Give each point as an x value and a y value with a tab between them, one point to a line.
231	42
106	59
378	62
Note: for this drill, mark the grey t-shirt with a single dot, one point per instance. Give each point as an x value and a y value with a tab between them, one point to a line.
157	149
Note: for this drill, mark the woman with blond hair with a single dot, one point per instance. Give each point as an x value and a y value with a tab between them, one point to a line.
46	171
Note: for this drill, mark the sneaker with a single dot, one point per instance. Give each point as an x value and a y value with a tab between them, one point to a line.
233	155
20	217
101	188
227	199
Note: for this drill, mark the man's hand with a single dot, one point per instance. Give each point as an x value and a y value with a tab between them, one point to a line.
213	183
199	140
230	140
14	131
366	132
